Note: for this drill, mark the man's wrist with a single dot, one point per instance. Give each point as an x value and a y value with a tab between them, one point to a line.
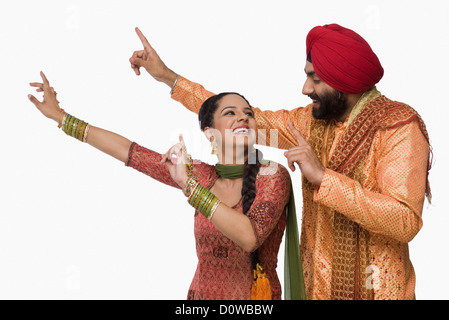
169	78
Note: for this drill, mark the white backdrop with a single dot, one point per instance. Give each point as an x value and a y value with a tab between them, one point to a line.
77	224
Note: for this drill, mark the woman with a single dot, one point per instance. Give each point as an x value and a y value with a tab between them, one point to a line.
237	252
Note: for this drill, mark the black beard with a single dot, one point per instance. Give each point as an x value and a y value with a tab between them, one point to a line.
333	105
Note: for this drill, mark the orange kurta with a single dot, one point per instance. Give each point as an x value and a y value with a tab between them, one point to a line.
386	201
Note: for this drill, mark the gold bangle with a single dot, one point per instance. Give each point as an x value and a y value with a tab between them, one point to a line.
64	116
214	208
193	194
80	131
86	131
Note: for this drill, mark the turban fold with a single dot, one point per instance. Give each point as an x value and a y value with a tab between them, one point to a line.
343	59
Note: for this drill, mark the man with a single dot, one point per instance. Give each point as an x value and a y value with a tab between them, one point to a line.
364	161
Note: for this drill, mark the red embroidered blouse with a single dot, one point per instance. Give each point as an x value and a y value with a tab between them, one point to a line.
224	269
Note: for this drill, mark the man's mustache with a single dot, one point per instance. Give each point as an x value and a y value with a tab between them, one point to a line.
314	96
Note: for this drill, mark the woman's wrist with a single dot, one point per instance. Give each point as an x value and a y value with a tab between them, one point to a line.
201	198
57	116
74	127
190	186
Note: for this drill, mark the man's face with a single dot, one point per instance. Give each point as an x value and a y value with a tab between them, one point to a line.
327	102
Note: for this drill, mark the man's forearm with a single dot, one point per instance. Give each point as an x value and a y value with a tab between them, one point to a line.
376	212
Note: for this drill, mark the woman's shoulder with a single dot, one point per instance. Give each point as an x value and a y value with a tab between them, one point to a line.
273	170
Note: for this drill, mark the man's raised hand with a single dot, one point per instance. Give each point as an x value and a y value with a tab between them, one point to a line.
150	60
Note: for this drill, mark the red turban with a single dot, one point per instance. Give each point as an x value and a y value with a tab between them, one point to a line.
343	59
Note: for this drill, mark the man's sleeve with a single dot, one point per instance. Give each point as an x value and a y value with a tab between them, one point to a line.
395	208
190	94
272	125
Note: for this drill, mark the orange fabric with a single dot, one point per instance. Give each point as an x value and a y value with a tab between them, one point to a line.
387	201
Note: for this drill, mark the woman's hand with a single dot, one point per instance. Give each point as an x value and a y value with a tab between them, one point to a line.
50	104
176	161
150	60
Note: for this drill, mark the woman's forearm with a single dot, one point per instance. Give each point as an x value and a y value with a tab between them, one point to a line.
235	226
109	142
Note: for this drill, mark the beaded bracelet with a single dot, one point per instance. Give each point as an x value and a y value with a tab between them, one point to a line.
190	185
74	127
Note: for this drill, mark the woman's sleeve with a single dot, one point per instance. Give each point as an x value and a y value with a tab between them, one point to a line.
273	194
149	163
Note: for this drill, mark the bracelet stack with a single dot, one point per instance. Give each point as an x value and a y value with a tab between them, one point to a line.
198	197
75	127
201	198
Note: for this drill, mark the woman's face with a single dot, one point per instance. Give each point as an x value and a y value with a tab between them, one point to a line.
234	124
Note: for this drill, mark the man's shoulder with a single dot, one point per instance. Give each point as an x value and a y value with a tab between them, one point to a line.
391	113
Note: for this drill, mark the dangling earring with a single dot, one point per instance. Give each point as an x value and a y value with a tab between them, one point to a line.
214	145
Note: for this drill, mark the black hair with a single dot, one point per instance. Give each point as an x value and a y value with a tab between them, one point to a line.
252	165
309	56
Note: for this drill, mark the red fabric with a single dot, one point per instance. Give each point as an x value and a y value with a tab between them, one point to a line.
343	59
224	269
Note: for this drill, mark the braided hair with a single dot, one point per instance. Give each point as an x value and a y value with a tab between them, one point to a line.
252	164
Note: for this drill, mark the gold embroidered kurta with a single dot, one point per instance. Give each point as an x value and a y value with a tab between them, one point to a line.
385	201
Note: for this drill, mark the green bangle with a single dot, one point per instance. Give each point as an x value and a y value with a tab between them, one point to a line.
74	126
198	197
66	124
203	197
211	204
195	195
208	202
206	198
69	129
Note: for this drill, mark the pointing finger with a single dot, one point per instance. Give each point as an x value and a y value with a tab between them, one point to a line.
143	39
181	140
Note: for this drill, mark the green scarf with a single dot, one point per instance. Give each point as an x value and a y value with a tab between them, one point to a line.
293	276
